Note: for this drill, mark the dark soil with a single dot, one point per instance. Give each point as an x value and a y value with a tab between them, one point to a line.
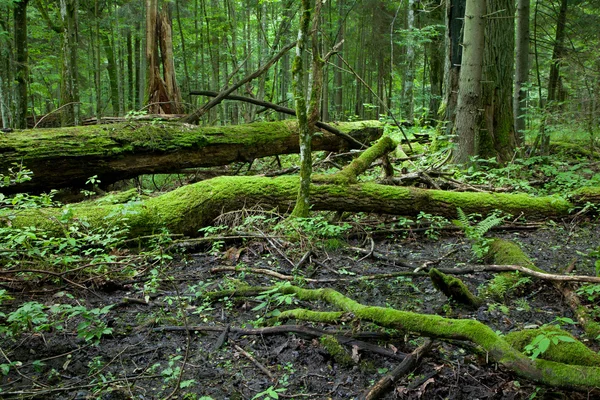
141	360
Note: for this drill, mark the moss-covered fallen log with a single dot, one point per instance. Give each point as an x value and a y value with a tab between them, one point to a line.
545	372
189	208
69	156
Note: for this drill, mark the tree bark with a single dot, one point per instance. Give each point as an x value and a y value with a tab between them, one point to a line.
468	115
191	207
67	157
521	69
69	88
302	207
21	63
497	136
455	12
111	68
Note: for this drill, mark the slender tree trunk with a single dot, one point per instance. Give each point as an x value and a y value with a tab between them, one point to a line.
70	114
112	74
97	76
409	72
21	63
338	95
497	136
186	82
130	99
6	69
435	50
521	69
302	207
557	52
468	115
455	13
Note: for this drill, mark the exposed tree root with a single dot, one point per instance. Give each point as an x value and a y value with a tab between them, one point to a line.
499	350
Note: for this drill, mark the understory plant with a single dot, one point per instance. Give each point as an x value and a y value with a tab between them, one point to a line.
475	232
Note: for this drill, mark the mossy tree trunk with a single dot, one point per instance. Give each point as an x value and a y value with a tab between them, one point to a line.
192	207
302	207
68	156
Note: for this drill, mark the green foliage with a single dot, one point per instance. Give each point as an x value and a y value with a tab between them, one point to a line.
476	232
36	317
541	343
504	284
432	223
269	393
319	228
271	298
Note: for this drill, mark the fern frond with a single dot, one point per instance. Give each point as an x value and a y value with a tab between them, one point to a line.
487	224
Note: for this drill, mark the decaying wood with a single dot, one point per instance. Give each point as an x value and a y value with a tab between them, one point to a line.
278	108
67	157
409	363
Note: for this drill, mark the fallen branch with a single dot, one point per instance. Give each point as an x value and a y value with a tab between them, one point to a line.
385	383
546	372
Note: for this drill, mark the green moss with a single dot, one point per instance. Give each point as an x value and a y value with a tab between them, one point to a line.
574	353
454	288
336	350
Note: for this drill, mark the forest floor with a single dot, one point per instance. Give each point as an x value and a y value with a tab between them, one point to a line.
146	357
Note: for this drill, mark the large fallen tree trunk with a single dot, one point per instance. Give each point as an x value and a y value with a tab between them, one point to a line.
191	207
67	157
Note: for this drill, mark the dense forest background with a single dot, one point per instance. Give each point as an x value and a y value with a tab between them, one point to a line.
89	58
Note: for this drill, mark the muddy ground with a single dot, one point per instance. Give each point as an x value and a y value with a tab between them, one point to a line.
143	360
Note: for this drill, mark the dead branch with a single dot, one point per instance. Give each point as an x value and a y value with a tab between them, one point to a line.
278	108
196	115
409	363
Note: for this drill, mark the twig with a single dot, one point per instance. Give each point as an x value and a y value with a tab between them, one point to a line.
52	112
39	271
254	361
345	338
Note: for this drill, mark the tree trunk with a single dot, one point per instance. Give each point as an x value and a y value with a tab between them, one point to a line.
164	96
67	157
409	72
521	69
435	49
455	13
111	68
69	93
468	106
191	207
21	63
497	136
302	207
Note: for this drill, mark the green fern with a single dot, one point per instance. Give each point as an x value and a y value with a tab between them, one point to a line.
476	232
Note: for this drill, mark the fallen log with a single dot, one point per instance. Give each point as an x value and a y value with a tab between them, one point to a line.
67	157
189	208
547	372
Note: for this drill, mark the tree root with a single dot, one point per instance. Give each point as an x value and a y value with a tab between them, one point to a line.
499	350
